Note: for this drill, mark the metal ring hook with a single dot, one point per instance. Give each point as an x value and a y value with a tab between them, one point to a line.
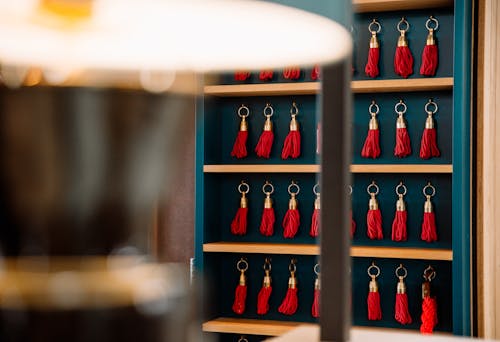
244	262
292	267
270	108
376	189
267	184
373	267
431	103
315	189
432	20
316	269
294	107
401	268
267	265
405	22
293	184
400	103
429	186
245	108
350	189
371	107
243	184
429	273
399	186
374	23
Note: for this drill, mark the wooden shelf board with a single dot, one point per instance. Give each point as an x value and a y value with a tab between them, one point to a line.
299	88
402	85
312	249
310	88
402	168
263	248
270	168
250	326
314	168
361	6
402	253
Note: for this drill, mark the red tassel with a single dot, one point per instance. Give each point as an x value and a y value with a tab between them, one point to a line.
373	301
429	306
399	230
428	145
429	233
371	68
371	147
374	222
291	223
266	75
263	148
402	148
240	295
403	60
315	73
265	291
241	75
317	292
430	53
239	223
291	147
291	73
290	302
353	226
314	231
268	217
401	312
239	147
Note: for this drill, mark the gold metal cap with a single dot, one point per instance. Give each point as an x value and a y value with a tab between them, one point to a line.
242	278
373	123
292	204
292	282
400	122
243	124
402	40
428	206
268	125
400	204
429	122
294	125
426	289
373	204
373	286
401	288
317	203
374	41
268	202
430	38
243	201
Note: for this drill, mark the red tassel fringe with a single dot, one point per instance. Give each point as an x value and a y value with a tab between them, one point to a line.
263	300
290	303
429	315
315	306
315	73
240	297
314	232
267	222
263	148
403	61
403	147
291	147
399	231
266	75
353	226
241	75
374	310
428	146
371	148
429	60
239	147
371	69
374	223
291	73
402	314
429	233
291	223
239	223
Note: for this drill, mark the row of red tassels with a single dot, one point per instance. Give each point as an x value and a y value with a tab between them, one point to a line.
289	73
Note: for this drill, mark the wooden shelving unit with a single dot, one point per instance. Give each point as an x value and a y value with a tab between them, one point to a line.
250	326
361	6
314	168
311	88
312	249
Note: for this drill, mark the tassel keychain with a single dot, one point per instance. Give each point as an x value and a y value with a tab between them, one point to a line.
290	302
291	73
291	147
263	148
371	68
240	295
265	291
373	301
429	233
403	60
268	217
371	147
314	232
317	292
429	305
403	147
239	147
315	73
241	75
291	221
266	75
239	223
374	217
353	223
428	145
399	231
430	53
402	313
